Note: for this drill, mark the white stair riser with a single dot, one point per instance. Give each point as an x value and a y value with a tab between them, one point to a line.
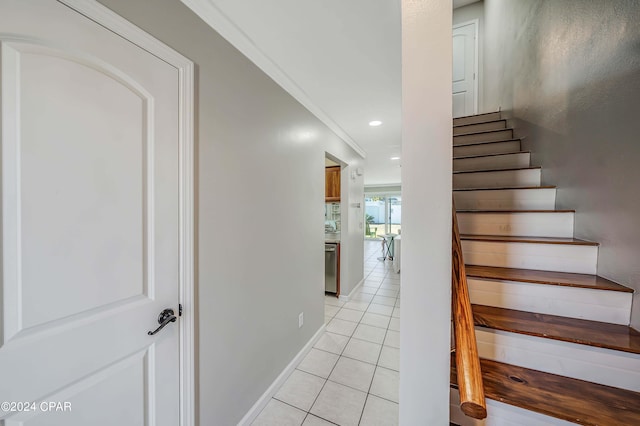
497	179
493	162
500	414
517	224
581	259
598	365
476	119
480	127
506	199
487	149
575	302
499	135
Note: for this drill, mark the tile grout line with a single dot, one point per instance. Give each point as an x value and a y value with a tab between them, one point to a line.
347	344
381	346
334	366
377	365
385	276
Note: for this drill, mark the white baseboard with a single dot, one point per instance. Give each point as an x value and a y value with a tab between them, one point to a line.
350	295
279	381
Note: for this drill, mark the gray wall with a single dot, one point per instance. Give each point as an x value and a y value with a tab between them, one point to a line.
466	14
568	72
255	147
425	329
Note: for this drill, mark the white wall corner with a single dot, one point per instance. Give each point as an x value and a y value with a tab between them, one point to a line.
352	293
426	196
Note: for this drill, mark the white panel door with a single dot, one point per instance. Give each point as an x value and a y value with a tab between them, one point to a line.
90	229
464	70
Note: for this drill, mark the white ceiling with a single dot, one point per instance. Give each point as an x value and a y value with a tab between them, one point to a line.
341	59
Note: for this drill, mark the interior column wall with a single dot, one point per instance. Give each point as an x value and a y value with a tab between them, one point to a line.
426	221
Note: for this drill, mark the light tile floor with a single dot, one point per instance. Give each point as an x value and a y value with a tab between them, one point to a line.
351	375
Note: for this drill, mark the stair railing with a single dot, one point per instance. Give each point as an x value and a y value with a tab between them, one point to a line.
469	375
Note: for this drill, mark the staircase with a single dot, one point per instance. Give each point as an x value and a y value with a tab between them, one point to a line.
553	337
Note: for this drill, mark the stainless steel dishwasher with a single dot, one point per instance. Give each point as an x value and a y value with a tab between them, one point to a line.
331	268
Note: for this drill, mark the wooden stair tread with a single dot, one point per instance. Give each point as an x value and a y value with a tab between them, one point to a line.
573	330
482	143
484	131
533	240
498	170
514	211
475	115
505	187
545	277
561	397
482	122
464	157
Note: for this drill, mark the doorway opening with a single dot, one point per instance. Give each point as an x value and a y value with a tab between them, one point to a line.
333	223
465	68
383	214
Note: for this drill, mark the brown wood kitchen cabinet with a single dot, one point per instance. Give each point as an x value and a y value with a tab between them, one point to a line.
332	184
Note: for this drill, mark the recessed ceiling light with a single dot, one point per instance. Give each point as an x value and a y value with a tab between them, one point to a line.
395	158
375	123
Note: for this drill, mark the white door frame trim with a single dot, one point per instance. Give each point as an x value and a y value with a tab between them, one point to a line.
114	22
476	94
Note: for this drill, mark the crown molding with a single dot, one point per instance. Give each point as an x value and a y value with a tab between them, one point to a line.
221	23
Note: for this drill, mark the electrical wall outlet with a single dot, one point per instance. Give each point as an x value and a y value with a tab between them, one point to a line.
300	319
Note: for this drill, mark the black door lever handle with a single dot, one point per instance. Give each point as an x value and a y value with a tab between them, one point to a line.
164	318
